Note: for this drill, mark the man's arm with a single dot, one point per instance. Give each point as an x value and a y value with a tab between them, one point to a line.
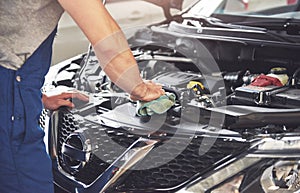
111	47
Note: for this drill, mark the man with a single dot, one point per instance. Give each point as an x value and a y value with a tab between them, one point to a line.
27	31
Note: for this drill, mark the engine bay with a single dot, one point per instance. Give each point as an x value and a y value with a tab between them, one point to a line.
247	93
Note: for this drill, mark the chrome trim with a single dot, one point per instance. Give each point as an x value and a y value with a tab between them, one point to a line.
54	135
202	185
136	152
286	147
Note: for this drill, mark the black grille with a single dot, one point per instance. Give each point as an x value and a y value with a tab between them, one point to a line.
167	172
108	149
186	165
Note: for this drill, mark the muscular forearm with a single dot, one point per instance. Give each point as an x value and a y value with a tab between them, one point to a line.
110	47
109	42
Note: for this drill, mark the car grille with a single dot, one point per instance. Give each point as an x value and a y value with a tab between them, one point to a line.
186	165
167	172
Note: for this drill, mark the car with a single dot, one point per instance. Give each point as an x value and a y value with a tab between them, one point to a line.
233	126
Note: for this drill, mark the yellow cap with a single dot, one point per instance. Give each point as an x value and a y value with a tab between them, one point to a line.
192	84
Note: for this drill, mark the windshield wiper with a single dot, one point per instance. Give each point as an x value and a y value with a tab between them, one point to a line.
215	22
290	26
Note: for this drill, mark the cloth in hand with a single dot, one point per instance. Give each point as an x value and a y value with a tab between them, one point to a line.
157	106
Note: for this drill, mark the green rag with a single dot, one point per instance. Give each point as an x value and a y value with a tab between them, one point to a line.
158	106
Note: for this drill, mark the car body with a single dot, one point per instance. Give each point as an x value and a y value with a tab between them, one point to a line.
234	126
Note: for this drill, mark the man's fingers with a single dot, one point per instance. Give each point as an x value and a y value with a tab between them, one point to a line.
66	103
66	95
80	96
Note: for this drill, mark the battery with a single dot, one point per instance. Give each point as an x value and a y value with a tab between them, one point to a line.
249	95
271	96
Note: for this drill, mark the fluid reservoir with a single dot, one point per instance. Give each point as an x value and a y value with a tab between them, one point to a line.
280	73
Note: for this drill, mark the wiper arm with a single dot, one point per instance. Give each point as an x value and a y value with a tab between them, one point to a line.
215	22
291	26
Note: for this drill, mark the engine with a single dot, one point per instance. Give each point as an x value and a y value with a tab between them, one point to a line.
237	95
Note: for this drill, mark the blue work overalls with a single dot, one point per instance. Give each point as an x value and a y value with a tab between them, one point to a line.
25	166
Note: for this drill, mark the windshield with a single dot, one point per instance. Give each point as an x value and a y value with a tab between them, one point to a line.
264	8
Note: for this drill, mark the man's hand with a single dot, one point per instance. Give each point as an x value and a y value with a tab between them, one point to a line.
147	91
57	101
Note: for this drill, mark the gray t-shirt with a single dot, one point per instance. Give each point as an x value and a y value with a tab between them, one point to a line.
24	25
